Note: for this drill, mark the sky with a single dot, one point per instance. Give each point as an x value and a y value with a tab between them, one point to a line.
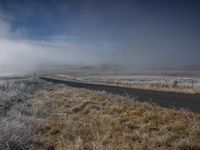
131	33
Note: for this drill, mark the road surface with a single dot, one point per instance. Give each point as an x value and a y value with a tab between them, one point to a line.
164	99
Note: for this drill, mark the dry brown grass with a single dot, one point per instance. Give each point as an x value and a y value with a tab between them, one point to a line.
68	118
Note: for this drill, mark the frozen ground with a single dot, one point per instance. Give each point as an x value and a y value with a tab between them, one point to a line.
38	115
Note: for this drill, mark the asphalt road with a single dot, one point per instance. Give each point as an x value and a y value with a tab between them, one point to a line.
164	99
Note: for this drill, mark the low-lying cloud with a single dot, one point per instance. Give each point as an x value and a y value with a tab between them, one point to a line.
133	34
21	55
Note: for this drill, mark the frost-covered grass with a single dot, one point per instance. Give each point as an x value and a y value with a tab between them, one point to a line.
166	83
58	117
15	91
14	132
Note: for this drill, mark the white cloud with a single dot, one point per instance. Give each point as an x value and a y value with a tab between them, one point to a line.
21	55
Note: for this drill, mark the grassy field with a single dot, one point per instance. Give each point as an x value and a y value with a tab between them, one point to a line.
39	115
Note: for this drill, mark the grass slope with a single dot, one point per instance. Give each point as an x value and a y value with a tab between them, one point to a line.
60	117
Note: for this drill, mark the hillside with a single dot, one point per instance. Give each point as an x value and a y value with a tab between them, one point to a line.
60	117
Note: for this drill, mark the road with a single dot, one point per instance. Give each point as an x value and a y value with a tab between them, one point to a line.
164	99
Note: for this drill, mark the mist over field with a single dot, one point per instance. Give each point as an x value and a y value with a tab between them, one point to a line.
128	34
22	55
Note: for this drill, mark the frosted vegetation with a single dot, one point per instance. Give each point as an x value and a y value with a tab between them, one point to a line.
169	83
38	115
14	132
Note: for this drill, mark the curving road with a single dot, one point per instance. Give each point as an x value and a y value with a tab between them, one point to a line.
164	99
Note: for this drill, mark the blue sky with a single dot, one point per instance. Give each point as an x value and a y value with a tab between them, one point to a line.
125	32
